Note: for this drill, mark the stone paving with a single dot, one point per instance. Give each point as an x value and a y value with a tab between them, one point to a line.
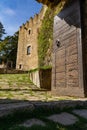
32	122
64	118
82	113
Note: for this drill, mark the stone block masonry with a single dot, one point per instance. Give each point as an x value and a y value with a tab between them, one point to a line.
27	53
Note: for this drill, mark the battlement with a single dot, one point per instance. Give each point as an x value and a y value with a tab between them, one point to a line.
34	20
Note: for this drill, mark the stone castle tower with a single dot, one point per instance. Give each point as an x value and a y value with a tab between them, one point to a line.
27	53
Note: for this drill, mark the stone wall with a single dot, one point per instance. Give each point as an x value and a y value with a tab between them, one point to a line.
41	78
28	34
34	77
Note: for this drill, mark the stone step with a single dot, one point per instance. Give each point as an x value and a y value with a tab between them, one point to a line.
6	109
11	106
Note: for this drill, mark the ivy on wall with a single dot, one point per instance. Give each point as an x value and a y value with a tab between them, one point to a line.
45	37
58	2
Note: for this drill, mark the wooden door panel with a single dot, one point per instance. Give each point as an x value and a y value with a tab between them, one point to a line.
66	55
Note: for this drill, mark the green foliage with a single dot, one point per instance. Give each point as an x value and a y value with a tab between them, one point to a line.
2	30
46	67
37	69
33	70
8	48
45	36
60	5
57	2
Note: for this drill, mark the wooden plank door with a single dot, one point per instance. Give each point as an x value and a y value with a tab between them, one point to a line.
67	62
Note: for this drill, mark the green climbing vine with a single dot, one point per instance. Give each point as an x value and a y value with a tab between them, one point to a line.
45	36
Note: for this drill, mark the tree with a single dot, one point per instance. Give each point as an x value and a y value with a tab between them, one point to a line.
8	48
2	31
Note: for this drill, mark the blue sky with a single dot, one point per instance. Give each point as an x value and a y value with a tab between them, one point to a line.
13	13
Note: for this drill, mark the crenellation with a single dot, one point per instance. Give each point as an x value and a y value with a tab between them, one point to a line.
35	19
30	22
27	24
20	28
23	25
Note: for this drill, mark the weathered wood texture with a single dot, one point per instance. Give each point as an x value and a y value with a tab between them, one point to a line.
66	77
45	78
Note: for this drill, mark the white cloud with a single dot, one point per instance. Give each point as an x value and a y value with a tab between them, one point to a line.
6	16
6	10
9	11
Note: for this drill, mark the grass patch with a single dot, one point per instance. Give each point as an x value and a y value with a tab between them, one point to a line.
20	88
20	84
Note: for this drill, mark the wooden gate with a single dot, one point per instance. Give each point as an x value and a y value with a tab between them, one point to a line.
67	70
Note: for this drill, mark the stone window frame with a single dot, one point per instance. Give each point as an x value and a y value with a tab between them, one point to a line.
29	31
29	49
